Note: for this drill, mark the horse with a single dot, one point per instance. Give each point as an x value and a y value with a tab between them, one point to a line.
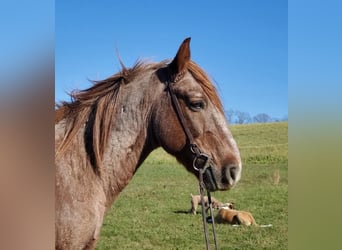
105	132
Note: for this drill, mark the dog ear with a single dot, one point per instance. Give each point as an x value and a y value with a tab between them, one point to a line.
231	205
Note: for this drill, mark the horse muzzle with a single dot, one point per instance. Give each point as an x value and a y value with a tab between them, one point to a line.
215	178
223	179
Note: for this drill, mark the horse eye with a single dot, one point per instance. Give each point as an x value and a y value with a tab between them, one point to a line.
197	106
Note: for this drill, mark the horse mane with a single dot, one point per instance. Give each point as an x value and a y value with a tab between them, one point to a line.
94	107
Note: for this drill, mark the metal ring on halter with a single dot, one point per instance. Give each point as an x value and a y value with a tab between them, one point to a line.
206	159
195	149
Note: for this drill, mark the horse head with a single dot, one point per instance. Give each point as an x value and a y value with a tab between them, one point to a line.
196	130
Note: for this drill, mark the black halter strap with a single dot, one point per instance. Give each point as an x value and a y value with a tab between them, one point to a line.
182	120
199	156
201	163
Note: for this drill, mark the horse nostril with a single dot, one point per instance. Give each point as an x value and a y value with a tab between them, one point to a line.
233	172
231	175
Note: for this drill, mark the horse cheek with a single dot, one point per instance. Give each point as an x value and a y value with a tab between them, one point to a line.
168	132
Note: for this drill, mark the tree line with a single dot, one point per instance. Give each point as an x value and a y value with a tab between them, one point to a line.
240	117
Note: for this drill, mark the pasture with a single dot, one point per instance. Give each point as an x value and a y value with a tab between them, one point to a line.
151	212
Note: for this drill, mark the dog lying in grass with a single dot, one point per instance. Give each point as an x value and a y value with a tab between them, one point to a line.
196	200
227	214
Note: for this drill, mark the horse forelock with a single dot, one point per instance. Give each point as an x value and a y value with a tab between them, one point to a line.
202	78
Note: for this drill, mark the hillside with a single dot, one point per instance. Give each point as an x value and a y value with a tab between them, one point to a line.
258	143
262	143
152	211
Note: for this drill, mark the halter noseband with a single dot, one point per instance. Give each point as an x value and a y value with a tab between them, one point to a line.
201	163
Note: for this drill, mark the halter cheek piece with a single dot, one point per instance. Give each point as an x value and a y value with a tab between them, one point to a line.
201	163
201	160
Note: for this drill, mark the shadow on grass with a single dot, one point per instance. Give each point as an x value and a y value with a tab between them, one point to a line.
181	212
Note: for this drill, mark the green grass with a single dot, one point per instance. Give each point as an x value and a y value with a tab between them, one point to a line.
262	143
151	211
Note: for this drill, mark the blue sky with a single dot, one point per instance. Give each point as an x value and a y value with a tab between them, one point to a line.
242	45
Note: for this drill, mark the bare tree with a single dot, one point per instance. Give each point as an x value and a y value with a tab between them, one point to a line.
230	114
242	117
262	118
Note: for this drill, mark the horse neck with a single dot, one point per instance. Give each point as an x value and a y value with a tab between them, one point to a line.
130	141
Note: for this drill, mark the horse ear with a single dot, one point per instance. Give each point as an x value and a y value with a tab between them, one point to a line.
182	58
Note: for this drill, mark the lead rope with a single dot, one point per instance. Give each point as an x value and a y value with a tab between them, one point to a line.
212	219
204	215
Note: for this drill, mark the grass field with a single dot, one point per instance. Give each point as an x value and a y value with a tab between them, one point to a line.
151	212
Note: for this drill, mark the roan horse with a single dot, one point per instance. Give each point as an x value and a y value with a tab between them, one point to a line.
104	134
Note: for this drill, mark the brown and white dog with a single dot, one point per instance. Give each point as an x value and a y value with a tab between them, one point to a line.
196	200
227	214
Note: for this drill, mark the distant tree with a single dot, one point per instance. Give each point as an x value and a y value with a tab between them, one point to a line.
230	115
242	117
262	118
